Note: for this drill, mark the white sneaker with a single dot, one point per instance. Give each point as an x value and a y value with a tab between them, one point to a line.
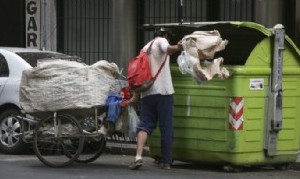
103	130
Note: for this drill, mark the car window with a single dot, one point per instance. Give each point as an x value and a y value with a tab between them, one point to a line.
33	57
3	67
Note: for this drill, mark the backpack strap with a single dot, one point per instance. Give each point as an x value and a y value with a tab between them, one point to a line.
161	66
149	48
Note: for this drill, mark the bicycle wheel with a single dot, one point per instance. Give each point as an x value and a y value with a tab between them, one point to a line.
54	140
92	149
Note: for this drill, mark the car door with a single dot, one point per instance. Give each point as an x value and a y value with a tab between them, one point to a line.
4	72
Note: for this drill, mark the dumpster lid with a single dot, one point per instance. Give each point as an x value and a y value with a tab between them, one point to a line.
238	50
178	26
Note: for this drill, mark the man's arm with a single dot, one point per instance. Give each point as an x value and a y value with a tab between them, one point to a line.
174	48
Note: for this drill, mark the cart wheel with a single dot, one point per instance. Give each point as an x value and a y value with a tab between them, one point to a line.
231	168
54	143
92	149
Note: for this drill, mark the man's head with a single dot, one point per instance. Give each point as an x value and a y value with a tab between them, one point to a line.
161	32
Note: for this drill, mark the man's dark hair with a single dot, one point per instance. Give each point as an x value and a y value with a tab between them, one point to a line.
160	31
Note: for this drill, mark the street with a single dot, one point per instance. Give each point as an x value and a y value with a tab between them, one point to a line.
115	166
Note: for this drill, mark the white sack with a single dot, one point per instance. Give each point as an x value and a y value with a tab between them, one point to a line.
59	84
203	44
198	47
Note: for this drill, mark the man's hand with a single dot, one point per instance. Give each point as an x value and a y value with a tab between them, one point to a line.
133	100
174	48
179	45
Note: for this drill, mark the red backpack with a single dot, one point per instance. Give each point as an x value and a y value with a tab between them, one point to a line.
139	72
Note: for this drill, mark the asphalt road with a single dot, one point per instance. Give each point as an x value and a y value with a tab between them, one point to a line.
115	166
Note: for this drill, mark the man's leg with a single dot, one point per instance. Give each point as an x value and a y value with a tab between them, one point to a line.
148	122
166	128
141	142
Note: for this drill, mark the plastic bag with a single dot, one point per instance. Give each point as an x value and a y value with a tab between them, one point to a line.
186	63
122	124
114	108
133	122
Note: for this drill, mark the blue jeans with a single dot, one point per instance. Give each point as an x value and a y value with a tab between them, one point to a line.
158	109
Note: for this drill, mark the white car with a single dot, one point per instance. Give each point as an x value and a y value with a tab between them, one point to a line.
12	63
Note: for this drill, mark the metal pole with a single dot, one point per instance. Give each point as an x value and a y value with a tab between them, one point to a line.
43	24
48	25
274	115
180	11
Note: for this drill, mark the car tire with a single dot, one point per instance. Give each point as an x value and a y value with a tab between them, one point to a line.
10	133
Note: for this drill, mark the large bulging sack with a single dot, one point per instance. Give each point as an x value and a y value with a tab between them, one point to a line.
59	84
203	44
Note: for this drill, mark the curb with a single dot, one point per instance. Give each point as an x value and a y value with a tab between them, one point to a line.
123	148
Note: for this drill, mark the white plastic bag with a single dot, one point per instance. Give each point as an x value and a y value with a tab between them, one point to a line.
186	63
122	124
133	122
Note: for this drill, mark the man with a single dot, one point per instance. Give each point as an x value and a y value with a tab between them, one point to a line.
157	102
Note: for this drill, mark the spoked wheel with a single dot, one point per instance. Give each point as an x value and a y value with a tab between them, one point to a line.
56	138
92	149
94	143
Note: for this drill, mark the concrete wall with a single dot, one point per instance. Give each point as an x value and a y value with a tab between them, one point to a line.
123	32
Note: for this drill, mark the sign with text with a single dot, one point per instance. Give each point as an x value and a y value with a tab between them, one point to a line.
32	9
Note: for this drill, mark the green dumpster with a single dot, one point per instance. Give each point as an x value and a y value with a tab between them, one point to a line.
251	118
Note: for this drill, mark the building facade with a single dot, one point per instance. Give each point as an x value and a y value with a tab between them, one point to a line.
111	29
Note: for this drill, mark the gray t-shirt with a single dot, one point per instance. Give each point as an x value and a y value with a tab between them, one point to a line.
163	84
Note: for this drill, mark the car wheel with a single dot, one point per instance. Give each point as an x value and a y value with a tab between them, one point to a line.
10	133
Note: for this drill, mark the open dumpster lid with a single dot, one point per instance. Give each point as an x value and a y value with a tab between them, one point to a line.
205	25
243	36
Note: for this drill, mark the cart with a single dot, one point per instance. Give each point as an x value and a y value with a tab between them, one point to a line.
64	109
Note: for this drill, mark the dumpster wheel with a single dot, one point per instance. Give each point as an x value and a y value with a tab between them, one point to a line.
232	168
282	166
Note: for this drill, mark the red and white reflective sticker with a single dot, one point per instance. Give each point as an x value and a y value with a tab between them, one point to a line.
236	110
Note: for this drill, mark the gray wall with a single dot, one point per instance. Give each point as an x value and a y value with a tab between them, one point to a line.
123	32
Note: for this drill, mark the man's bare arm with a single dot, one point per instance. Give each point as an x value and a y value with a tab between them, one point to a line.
172	49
